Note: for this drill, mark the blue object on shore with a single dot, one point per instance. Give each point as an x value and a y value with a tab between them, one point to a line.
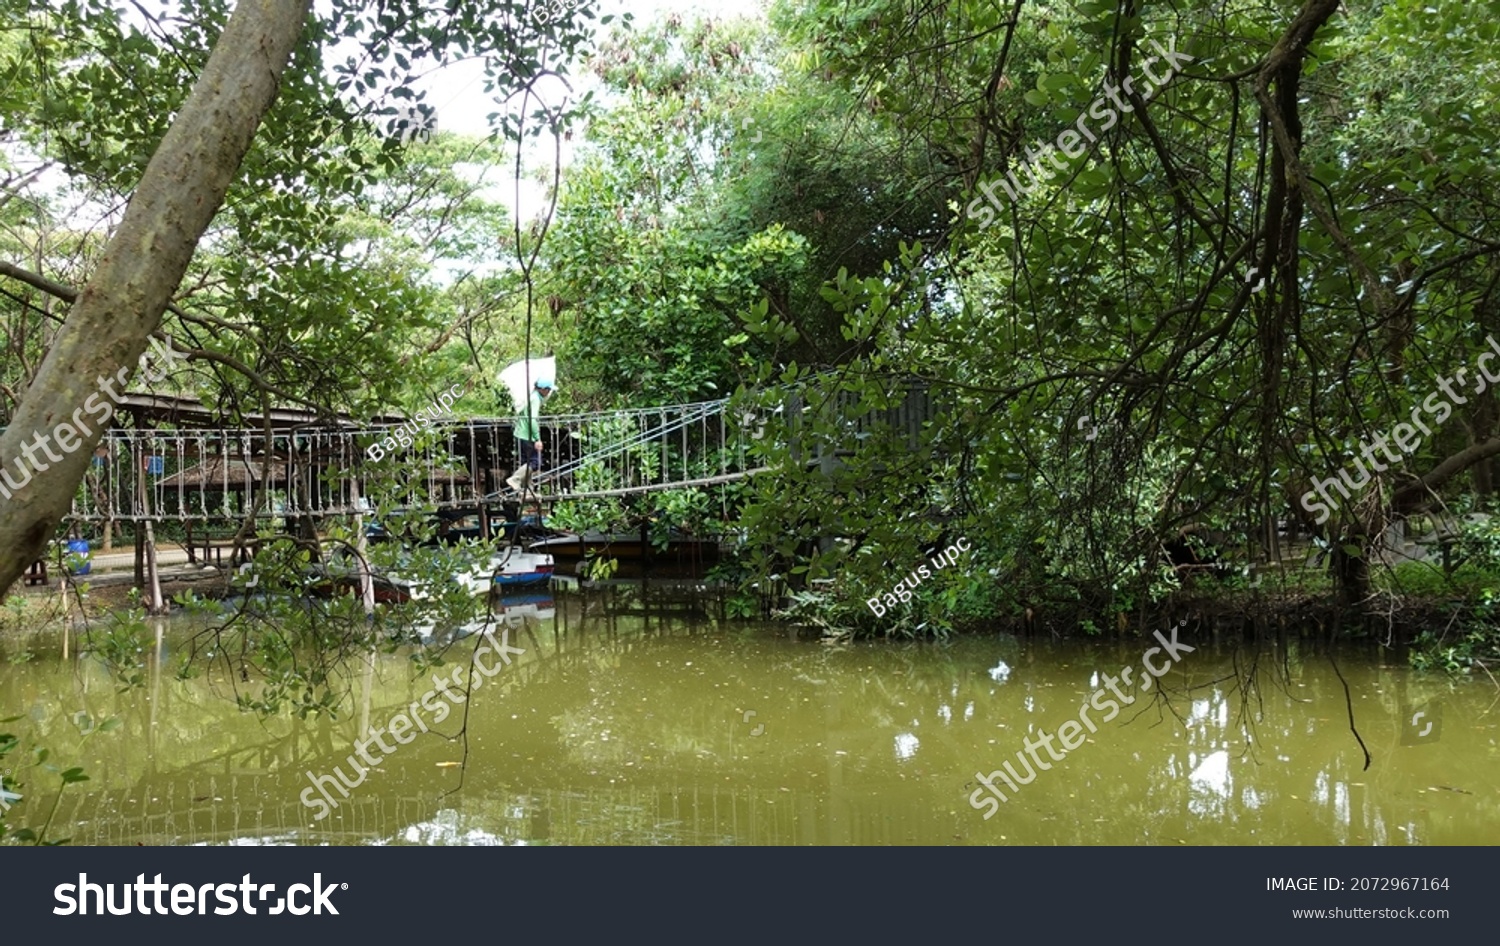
80	547
523	578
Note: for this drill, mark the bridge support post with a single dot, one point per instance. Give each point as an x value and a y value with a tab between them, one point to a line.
146	546
154	603
361	545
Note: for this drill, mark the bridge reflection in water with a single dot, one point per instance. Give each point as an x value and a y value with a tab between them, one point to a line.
187	768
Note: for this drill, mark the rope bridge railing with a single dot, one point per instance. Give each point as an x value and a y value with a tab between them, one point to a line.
195	475
638	451
202	475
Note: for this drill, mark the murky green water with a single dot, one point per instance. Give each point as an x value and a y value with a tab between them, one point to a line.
626	723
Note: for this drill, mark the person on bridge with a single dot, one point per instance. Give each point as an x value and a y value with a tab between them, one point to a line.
528	431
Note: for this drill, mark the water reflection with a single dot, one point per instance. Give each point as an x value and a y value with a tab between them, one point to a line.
1210	787
642	716
906	746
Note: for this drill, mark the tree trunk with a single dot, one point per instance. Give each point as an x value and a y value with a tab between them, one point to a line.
108	327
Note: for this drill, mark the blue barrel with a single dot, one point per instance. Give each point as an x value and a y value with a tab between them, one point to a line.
80	547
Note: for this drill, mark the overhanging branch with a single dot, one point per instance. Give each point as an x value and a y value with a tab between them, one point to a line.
69	294
1413	492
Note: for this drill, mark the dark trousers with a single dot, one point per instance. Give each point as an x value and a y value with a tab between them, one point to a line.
529	455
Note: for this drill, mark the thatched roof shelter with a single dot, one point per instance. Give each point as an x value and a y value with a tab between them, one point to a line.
229	474
235	474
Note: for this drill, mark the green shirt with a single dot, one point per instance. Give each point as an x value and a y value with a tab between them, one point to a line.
528	427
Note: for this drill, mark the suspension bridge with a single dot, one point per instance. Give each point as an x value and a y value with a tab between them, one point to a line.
168	462
310	469
166	466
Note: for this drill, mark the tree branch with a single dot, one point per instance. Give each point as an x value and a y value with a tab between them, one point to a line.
1445	471
69	294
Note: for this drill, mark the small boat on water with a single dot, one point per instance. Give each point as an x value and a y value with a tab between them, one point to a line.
532	569
508	569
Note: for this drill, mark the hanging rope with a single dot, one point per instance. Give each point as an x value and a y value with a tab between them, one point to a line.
139	468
